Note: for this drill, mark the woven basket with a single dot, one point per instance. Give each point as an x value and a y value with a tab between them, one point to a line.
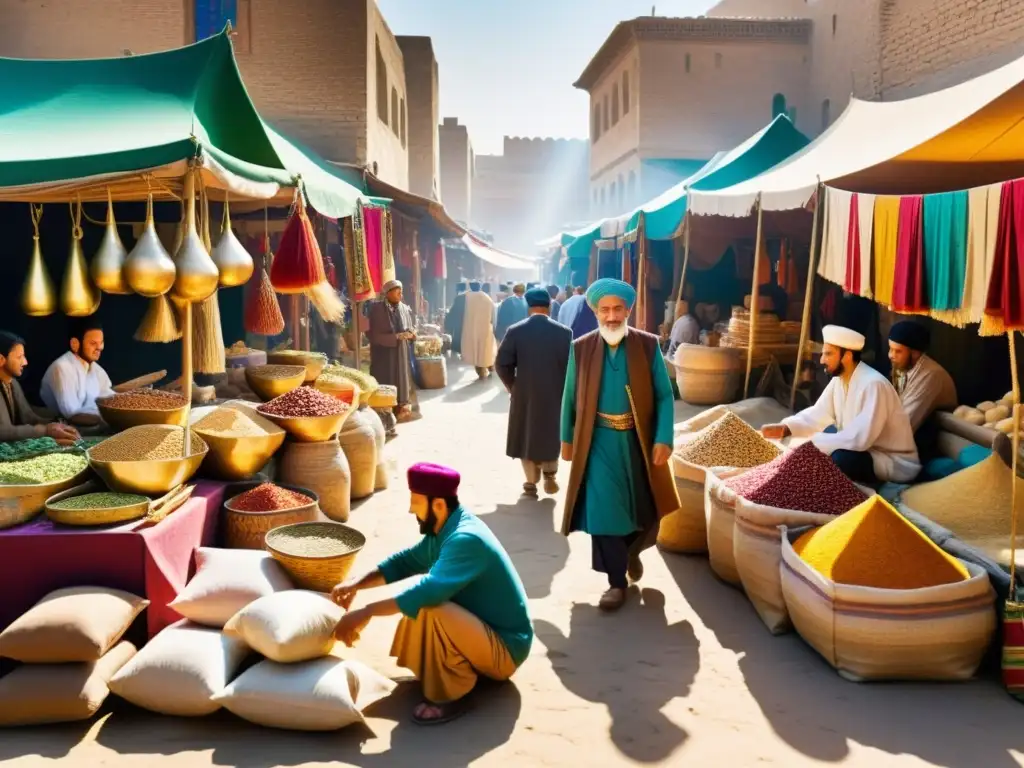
359	442
248	530
707	375
433	372
20	503
319	573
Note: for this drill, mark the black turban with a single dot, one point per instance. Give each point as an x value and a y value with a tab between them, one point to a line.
538	297
910	334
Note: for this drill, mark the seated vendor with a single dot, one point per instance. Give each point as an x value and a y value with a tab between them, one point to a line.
465	617
873	441
75	379
17	419
923	385
686	330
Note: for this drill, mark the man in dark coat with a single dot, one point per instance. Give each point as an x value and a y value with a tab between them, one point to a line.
453	319
391	337
532	361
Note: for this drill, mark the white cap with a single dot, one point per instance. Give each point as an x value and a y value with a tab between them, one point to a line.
844	338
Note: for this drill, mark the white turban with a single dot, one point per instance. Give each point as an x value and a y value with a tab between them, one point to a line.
844	338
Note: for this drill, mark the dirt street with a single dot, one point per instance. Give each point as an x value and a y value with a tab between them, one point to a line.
686	674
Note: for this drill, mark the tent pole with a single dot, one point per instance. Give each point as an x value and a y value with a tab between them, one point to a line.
1015	462
687	224
805	321
755	296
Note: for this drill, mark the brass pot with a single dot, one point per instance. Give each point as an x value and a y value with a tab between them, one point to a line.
78	296
107	268
268	389
232	260
310	429
315	362
238	458
149	270
38	298
196	275
153	477
120	419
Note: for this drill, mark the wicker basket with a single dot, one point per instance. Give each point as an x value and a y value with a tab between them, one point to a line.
319	573
707	375
248	530
20	503
433	372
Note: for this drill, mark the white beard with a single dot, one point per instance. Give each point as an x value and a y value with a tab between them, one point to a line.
612	336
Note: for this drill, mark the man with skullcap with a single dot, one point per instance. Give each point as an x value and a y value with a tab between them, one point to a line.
465	617
510	311
923	385
873	441
616	425
391	335
532	361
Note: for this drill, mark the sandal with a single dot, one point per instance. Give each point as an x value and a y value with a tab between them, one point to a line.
612	600
449	711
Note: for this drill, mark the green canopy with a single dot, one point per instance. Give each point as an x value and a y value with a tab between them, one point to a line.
73	124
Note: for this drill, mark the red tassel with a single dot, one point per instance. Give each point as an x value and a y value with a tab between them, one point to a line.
262	309
298	265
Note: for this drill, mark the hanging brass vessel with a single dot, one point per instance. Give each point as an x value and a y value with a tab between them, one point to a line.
107	268
197	275
78	296
233	261
149	270
160	323
38	299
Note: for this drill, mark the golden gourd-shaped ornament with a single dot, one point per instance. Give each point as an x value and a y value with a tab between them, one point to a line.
107	268
149	269
233	261
38	299
78	296
197	275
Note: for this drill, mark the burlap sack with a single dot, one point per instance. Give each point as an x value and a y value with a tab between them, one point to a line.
323	468
359	442
685	530
720	514
937	633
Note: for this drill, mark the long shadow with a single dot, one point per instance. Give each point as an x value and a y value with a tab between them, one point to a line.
47	741
963	725
538	552
632	662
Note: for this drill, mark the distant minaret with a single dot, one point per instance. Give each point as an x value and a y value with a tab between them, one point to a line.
654	10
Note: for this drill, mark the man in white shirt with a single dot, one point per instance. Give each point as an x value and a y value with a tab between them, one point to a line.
873	440
923	385
75	379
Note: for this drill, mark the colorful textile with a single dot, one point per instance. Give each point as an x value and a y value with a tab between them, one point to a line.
908	290
886	236
945	249
865	230
832	265
1006	287
387	256
1013	649
355	255
608	286
982	231
373	229
852	280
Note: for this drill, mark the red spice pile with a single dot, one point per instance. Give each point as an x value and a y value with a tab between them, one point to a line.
804	479
269	498
303	402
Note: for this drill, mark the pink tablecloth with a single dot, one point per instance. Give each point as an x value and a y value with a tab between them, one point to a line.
40	556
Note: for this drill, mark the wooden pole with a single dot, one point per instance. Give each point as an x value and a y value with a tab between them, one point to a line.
687	224
1016	454
641	273
417	277
186	371
805	321
755	296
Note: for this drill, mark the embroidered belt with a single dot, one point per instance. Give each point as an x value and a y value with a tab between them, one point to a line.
621	422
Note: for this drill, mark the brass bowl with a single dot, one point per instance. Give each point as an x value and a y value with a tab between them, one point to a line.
320	572
314	362
96	515
120	419
150	477
239	458
268	389
310	429
20	503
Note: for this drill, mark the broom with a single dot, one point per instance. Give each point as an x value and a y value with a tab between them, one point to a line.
160	323
207	334
298	266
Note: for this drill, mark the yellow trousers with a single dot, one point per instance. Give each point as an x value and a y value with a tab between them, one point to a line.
447	648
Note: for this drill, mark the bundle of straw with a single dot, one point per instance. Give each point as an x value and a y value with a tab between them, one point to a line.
160	323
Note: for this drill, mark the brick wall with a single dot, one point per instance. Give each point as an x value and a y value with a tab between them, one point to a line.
456	169
384	143
421	77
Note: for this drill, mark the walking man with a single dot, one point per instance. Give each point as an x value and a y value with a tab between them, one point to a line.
478	344
532	362
616	425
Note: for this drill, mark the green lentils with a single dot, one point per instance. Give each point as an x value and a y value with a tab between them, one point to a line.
101	500
51	468
728	442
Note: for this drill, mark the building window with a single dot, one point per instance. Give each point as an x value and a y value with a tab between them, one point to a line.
596	128
625	92
622	190
718	61
615	104
688	61
394	110
604	110
602	198
778	105
826	114
835	23
595	198
632	186
401	116
382	86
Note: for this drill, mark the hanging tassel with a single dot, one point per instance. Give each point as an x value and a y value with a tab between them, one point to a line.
160	323
262	309
207	333
298	266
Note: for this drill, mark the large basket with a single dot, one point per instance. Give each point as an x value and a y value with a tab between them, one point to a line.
20	503
321	572
248	530
707	375
433	372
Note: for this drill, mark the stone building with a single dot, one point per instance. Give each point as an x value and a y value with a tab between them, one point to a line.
328	73
535	187
421	77
457	169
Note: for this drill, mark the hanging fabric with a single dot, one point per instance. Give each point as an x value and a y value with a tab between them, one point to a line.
373	236
355	253
865	230
945	251
387	267
982	231
886	228
852	279
782	270
908	290
1006	288
832	265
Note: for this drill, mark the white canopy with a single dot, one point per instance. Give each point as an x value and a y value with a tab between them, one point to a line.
496	256
967	135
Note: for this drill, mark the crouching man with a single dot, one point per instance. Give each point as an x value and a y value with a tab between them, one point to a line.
465	617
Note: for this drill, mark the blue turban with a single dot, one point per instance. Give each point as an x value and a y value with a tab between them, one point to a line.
460	286
608	286
474	285
538	297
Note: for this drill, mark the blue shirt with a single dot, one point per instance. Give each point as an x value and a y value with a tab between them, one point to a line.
465	564
569	309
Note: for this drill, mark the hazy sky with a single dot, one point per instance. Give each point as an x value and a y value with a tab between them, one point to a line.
507	66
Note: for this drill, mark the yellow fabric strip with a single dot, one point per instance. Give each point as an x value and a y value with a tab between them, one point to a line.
886	229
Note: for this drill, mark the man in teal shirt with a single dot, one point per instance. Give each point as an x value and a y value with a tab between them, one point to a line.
464	617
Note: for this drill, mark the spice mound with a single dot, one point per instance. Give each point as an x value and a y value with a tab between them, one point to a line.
51	468
146	443
101	500
145	400
364	381
274	372
231	421
873	545
269	498
728	442
804	479
302	403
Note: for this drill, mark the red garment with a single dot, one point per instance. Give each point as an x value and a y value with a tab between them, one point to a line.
373	227
852	282
1006	286
908	288
439	267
